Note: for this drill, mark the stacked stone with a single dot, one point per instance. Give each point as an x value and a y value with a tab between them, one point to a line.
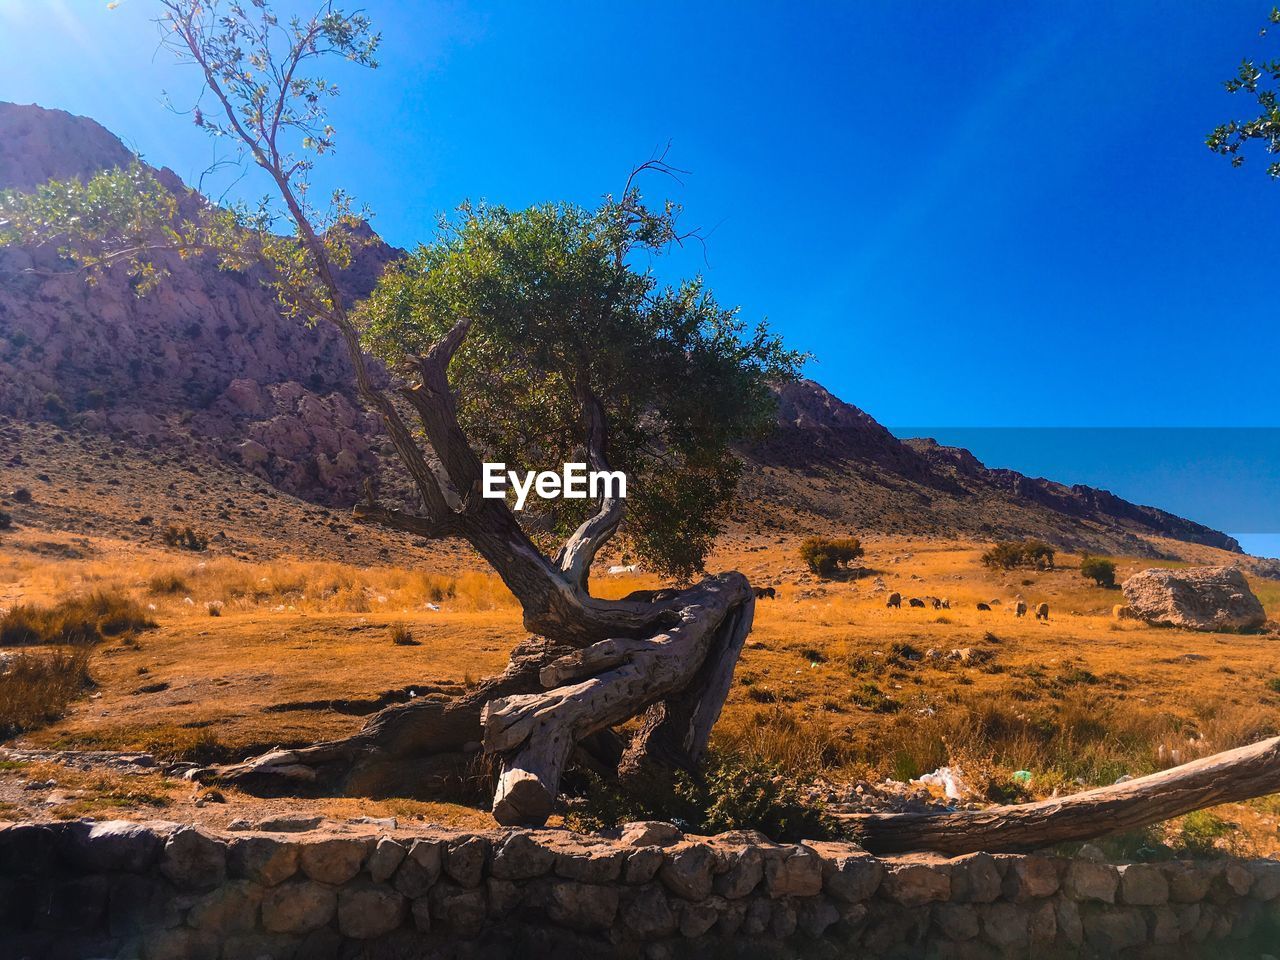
161	890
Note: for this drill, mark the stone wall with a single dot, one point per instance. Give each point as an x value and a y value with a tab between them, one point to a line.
308	890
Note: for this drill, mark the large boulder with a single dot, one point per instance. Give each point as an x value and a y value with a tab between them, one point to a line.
1200	598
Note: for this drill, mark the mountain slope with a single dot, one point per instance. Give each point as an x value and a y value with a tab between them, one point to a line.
208	363
833	466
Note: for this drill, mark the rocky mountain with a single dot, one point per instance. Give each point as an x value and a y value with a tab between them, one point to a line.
832	465
208	362
207	359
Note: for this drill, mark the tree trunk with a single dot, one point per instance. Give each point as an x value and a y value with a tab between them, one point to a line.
1234	775
551	698
682	668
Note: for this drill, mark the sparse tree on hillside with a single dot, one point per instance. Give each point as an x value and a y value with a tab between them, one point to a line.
1100	570
1008	554
1260	79
528	337
824	555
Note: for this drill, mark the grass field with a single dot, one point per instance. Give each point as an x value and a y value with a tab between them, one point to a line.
247	656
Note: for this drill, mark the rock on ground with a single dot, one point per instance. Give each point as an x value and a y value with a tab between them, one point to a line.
1200	598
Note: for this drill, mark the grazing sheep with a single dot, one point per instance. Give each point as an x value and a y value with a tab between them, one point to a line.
946	604
764	593
984	606
916	602
937	603
1042	611
895	600
1020	610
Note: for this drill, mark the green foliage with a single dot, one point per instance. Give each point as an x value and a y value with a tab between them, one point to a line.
565	311
1008	554
1204	834
732	793
79	620
825	555
127	219
268	101
562	314
1100	570
1260	79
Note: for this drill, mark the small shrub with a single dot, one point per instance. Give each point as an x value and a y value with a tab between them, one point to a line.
80	620
35	689
6	521
745	794
1038	554
901	652
870	697
1007	554
56	408
402	636
731	793
185	538
858	663
825	555
191	745
1203	834
1100	570
167	583
1074	675
1274	684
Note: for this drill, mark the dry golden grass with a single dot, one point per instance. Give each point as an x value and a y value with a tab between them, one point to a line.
1079	699
81	620
831	682
36	688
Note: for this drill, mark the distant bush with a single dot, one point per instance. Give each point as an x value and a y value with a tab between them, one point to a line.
191	745
824	555
80	620
185	538
6	521
732	793
56	408
1100	570
35	689
1007	554
402	636
167	583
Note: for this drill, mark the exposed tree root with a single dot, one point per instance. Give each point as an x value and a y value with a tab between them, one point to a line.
551	700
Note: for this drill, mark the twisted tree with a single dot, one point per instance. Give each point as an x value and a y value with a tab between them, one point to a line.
530	338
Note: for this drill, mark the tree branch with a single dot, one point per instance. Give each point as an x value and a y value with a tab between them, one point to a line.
579	552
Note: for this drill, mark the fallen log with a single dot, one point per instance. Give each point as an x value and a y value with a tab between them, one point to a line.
1234	775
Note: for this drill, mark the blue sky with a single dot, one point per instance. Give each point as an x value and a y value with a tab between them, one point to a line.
973	215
